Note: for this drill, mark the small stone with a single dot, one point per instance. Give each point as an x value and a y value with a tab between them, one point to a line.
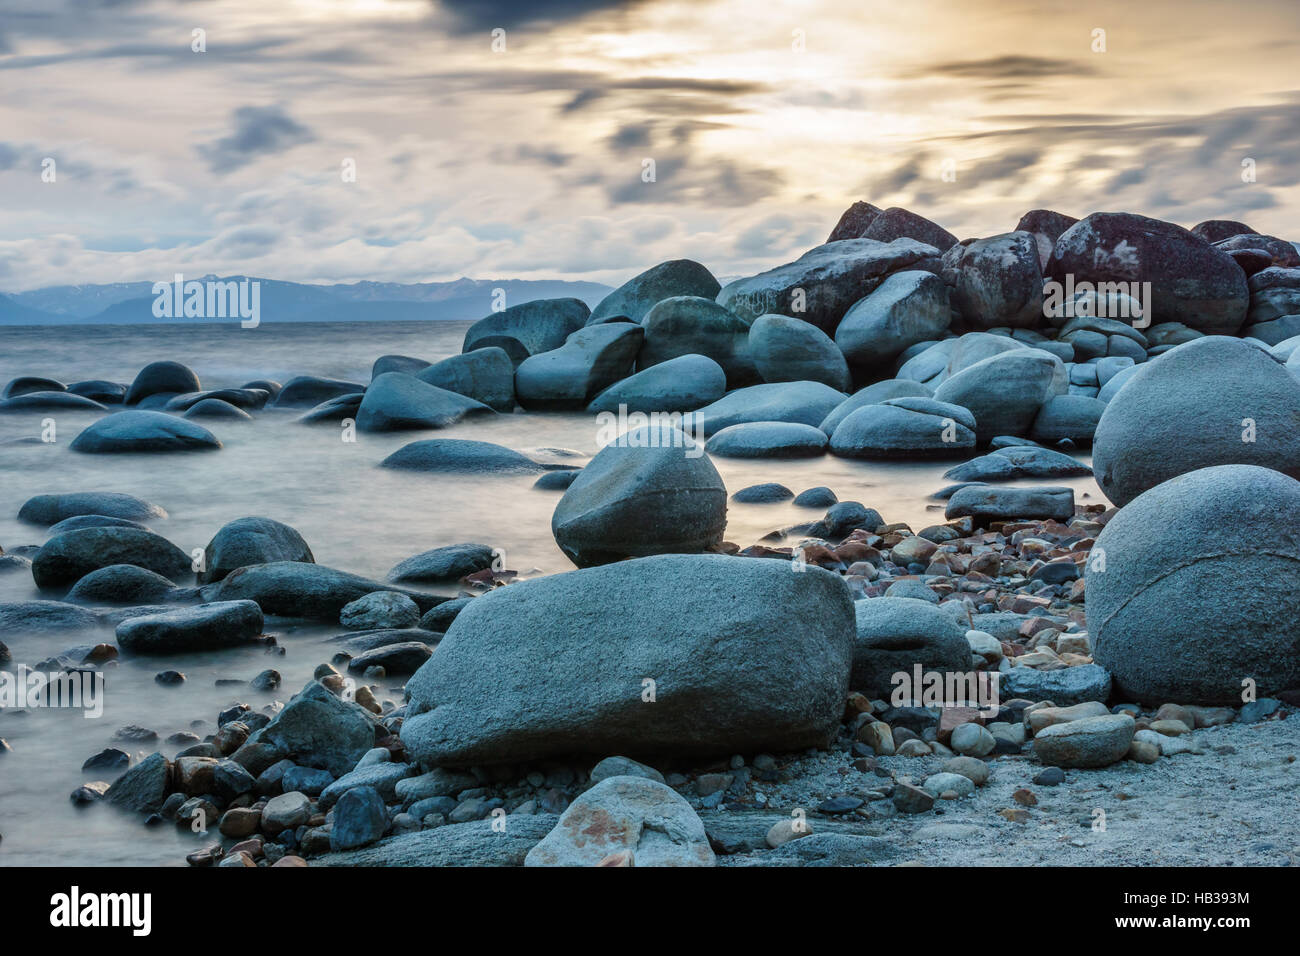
1170	728
914	748
976	771
1025	797
972	740
286	812
939	784
1142	751
878	737
910	799
1050	777
838	805
783	831
1015	814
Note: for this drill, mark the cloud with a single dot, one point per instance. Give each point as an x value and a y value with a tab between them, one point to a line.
470	15
257	131
1005	68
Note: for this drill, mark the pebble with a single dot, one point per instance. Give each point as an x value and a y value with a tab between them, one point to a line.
939	784
976	771
1050	777
838	805
972	740
910	799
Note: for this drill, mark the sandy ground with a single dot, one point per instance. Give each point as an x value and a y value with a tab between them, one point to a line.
1234	804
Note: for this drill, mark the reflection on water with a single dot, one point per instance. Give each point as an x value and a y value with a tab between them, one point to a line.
354	515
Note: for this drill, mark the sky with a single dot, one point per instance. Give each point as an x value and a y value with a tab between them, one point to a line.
496	139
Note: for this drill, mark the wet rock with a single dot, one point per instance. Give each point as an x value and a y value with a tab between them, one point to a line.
905	428
360	818
143	431
442	565
893	634
819	497
315	729
763	494
440	618
380	609
589	361
529	328
20	618
872	395
785	349
461	456
636	297
69	557
205	627
1090	742
296	589
161	378
394	402
690	325
309	391
122	584
805	403
401	658
768	440
286	812
50	402
486	375
144	787
680	384
248	541
986	503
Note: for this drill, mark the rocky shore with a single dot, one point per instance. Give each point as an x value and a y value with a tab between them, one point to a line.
1036	679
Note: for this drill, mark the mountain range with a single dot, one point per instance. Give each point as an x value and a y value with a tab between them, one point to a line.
132	303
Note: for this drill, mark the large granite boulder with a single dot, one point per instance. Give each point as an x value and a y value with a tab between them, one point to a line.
820	285
792	350
486	375
651	491
1213	401
688	655
1192	282
638	295
296	589
247	541
909	307
996	282
686	325
855	221
894	634
898	223
905	428
68	557
589	361
529	328
680	384
162	378
807	403
51	509
1190	587
1046	227
143	431
1005	392
396	401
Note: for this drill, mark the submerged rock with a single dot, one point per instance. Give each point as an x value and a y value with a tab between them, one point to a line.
461	456
680	384
205	627
395	401
295	589
50	509
143	431
248	541
68	557
589	361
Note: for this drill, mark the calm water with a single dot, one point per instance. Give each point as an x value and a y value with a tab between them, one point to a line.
354	515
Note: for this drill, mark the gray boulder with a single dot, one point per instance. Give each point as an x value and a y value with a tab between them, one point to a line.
1046	227
589	361
19	618
159	378
680	384
894	634
898	223
404	657
248	541
651	492
486	375
459	456
905	428
792	350
442	565
66	558
144	787
1004	392
205	627
692	325
768	440
216	408
296	589
873	395
380	609
806	403
907	308
626	814
395	401
1213	401
1191	280
28	384
636	297
50	509
315	729
122	584
308	391
1065	686
854	222
333	409
50	401
360	818
529	328
1087	742
143	431
1070	418
987	503
996	282
615	660
1018	461
820	285
397	363
1192	595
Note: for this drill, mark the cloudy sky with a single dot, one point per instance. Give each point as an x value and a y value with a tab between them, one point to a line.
764	121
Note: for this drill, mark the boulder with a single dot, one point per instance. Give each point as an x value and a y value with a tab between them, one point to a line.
205	627
248	541
28	384
1086	743
1018	461
909	307
1071	418
763	494
122	584
380	609
1192	282
20	618
996	282
297	589
109	393
529	328
1213	401
854	222
460	456
820	285
440	618
398	363
1046	227
68	557
50	402
631	815
556	480
333	409
160	378
1004	392
452	845
442	565
216	408
656	655
873	395
692	325
486	375
636	297
50	509
1216	230
791	350
315	729
395	401
768	440
898	223
894	634
589	361
308	391
143	431
680	384
360	818
1189	584
404	657
806	403
244	398
986	503
144	787
1065	686
905	428
653	491
1274	305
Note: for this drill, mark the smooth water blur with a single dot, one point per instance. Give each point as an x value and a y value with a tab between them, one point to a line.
354	515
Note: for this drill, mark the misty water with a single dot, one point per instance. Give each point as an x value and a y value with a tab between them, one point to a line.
354	515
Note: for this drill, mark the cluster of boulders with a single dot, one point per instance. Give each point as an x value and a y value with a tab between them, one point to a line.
661	704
